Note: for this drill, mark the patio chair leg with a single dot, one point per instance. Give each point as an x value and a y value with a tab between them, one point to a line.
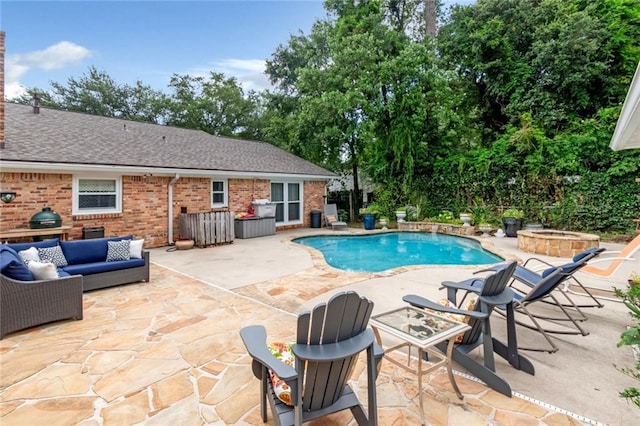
553	349
566	289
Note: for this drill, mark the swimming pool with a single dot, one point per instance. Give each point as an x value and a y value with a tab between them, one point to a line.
382	251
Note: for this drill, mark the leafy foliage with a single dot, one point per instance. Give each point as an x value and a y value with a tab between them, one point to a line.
215	104
97	93
631	336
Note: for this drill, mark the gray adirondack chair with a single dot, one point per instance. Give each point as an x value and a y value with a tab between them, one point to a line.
329	341
492	291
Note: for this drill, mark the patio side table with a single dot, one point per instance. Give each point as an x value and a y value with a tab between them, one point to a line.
422	329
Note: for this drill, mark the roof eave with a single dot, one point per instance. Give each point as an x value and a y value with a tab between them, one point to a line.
21	166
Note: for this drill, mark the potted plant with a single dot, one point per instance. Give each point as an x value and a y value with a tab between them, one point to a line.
401	213
485	228
512	221
465	218
369	216
383	222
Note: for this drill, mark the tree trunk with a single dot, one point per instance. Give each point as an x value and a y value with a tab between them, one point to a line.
430	18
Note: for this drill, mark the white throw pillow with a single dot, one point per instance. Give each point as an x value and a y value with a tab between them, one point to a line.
43	270
29	255
136	248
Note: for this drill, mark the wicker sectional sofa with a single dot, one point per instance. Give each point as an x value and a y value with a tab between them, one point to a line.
38	302
82	265
89	259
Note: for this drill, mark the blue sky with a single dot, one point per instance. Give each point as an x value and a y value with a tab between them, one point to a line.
147	40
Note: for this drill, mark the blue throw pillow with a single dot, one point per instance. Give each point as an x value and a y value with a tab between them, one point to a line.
12	266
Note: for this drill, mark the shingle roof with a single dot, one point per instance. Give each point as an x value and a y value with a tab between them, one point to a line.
54	136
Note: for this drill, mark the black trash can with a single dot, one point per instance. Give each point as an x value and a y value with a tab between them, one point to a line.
316	219
89	233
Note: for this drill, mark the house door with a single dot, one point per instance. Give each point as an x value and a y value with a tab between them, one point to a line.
287	196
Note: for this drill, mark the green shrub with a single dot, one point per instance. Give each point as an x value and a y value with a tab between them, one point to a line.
631	336
514	213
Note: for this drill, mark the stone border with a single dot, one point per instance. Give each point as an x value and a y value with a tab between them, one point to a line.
551	242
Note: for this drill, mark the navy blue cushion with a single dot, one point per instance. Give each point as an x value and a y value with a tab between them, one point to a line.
37	244
62	273
590	253
570	268
548	271
97	267
12	266
88	251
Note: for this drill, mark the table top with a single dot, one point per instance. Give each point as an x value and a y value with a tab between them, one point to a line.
417	326
27	232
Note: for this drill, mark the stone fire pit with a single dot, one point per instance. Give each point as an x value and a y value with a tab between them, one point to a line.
556	243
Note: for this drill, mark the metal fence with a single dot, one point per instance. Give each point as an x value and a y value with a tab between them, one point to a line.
207	228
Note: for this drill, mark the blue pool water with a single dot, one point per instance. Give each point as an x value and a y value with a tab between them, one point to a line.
379	252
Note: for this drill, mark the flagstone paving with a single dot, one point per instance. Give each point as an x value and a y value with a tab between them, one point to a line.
168	352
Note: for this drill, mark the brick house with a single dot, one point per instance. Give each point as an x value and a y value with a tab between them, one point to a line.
136	178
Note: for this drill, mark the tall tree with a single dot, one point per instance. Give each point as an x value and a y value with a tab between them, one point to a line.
364	91
97	93
216	105
555	59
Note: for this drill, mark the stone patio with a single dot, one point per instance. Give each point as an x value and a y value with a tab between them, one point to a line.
168	352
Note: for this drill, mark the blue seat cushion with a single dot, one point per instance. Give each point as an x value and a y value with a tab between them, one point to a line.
38	244
88	251
12	266
102	266
62	273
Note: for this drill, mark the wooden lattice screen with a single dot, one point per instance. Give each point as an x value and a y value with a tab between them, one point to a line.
208	228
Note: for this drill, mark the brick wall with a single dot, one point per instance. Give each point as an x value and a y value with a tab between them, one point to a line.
144	203
243	191
314	199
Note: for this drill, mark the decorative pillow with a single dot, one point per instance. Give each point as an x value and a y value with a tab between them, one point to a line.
136	249
118	250
52	254
471	304
281	351
43	271
12	266
331	218
29	255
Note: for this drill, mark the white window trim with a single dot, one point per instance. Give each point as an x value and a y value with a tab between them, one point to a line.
225	203
286	202
76	194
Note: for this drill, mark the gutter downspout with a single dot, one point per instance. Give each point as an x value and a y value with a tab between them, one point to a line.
170	209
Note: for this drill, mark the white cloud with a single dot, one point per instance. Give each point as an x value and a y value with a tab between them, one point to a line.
57	56
53	57
249	72
13	90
